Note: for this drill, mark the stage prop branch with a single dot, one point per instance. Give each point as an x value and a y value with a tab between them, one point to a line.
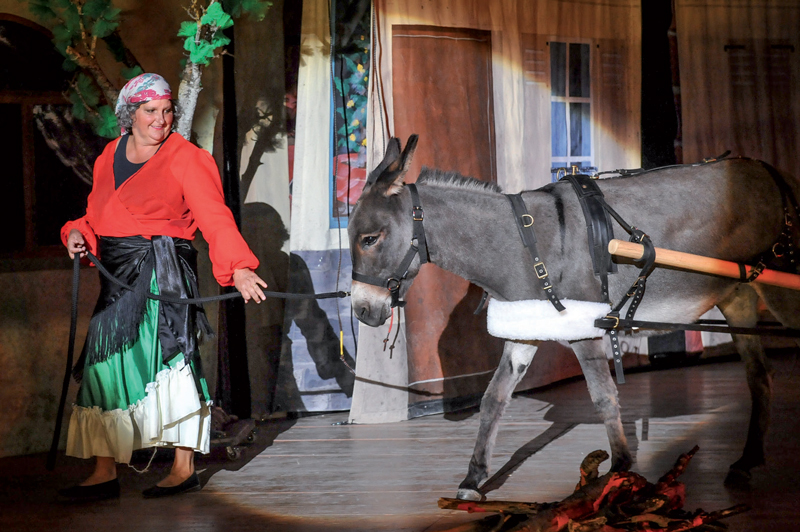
615	502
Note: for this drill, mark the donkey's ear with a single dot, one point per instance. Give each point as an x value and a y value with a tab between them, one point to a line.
400	167
391	155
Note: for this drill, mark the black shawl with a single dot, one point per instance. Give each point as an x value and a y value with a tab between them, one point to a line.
119	312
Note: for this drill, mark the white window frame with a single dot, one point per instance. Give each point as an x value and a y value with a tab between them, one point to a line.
566	161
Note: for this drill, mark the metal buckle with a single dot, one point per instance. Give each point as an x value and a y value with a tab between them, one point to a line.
616	321
392	287
634	287
523	220
417	213
778	247
536	269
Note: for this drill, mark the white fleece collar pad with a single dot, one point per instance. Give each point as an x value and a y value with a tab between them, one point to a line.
536	319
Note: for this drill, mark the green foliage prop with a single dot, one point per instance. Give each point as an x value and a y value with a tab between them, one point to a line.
78	25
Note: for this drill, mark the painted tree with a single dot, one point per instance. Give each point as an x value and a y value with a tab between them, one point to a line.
80	26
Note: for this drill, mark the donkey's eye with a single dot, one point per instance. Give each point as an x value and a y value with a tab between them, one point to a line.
369	240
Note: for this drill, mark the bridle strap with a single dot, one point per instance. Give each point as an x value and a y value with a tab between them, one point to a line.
417	215
418	246
392	283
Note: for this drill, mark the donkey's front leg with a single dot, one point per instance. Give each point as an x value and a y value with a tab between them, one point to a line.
513	365
594	364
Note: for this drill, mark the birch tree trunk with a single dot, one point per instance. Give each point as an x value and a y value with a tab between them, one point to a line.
188	91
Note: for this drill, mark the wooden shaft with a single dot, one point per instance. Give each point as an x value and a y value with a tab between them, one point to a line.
700	264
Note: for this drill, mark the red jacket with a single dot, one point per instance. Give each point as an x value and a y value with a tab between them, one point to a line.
176	192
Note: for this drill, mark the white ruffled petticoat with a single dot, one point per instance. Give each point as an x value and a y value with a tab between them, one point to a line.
170	415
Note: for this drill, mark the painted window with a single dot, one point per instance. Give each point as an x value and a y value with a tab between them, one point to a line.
570	107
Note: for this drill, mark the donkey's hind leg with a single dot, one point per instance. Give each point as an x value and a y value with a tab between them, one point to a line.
740	310
593	361
513	365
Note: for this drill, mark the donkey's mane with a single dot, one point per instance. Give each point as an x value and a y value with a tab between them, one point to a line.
440	178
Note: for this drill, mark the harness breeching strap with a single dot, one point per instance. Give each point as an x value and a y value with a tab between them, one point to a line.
781	256
525	226
418	246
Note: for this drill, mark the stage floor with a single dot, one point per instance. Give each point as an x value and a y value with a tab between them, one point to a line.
317	473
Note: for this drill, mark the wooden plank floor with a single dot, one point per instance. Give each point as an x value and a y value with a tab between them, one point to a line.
318	474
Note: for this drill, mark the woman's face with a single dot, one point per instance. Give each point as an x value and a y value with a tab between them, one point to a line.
153	121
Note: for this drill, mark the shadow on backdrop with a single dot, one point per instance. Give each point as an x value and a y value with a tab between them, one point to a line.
269	345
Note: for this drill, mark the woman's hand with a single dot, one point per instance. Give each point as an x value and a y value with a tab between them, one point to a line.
76	244
249	285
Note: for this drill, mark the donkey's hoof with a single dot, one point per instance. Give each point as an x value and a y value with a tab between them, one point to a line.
469	495
738	478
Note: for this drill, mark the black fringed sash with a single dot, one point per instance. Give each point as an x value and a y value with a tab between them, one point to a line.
119	312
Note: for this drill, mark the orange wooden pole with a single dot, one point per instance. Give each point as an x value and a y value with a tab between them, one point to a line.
700	264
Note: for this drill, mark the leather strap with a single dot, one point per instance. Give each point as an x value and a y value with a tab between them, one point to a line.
636	292
73	325
525	226
764	329
598	227
417	215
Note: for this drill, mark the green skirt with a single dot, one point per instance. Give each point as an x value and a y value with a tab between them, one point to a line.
133	400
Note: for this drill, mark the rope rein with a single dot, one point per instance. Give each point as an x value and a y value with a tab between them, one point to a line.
198	300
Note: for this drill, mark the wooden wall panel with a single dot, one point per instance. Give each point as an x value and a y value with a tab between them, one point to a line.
617	138
740	68
536	105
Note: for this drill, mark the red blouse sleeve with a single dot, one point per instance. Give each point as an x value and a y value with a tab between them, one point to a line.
202	190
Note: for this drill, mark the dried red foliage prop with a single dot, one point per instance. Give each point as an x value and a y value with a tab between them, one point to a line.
614	502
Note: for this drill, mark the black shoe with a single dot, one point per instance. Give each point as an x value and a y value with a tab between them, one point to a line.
190	484
95	492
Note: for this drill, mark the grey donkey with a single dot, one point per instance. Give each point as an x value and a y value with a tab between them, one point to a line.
731	210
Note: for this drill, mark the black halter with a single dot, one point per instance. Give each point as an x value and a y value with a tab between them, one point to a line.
418	246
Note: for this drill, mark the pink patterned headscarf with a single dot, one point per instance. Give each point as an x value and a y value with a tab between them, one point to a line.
143	88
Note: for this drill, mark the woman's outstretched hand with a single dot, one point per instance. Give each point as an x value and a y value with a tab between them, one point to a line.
76	244
249	285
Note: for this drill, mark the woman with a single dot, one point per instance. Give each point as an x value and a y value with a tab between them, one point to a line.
141	380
